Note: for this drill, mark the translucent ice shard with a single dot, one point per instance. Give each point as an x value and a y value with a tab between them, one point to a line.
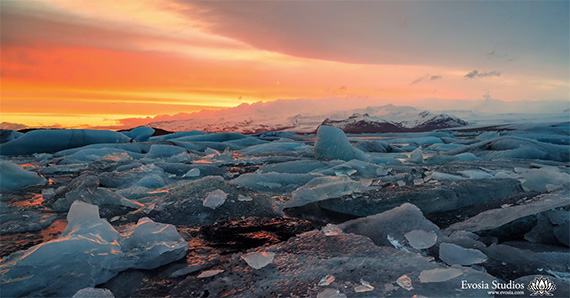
363	287
195	172
243	198
388	228
395	243
332	230
439	274
215	199
93	292
163	151
537	179
326	280
445	176
322	188
258	260
417	156
330	293
405	282
277	182
209	273
455	254
475	174
152	244
420	239
494	218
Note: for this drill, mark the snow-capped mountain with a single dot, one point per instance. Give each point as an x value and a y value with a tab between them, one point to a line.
423	121
257	118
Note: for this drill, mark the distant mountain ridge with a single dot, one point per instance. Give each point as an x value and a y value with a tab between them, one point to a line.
423	121
386	118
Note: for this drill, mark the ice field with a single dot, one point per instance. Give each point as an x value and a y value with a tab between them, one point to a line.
281	214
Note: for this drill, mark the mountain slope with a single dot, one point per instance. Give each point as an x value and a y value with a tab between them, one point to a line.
423	121
257	118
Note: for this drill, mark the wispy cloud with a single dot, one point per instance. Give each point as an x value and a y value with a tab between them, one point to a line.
476	74
426	78
495	55
13	126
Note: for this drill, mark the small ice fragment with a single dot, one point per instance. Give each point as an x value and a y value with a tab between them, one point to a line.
195	172
455	254
439	275
464	234
258	260
380	171
405	282
418	181
401	183
209	273
93	292
330	293
417	156
420	239
366	182
327	280
363	287
538	179
269	184
210	151
117	157
215	199
395	243
347	172
332	230
243	198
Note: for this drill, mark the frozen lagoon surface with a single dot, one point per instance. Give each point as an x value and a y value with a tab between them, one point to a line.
195	214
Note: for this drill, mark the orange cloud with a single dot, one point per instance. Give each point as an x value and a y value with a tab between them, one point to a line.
94	63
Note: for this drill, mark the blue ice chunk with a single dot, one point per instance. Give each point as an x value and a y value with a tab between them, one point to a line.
177	135
214	137
275	148
7	135
51	141
159	151
14	177
91	155
88	252
332	143
140	134
277	182
297	166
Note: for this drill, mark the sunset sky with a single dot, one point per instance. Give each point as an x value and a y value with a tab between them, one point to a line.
80	63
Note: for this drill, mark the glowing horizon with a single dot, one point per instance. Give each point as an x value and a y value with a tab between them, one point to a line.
92	64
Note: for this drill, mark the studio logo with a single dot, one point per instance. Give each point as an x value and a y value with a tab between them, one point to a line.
542	286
